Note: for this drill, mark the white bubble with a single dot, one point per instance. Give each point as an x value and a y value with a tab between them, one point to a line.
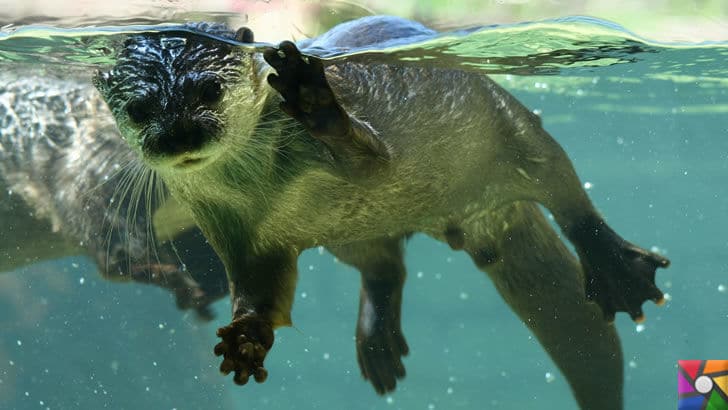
161	325
82	280
310	267
464	295
449	390
639	328
19	343
320	250
304	295
632	364
721	288
550	377
668	297
326	356
390	400
420	274
588	185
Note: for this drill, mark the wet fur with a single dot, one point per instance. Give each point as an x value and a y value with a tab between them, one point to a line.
465	160
70	186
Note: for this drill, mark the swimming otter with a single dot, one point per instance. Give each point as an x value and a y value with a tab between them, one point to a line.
66	188
357	157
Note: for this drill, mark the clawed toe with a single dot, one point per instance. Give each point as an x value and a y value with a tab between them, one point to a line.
622	280
380	359
245	343
619	276
307	97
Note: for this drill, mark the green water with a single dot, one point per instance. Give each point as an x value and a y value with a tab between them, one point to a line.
643	122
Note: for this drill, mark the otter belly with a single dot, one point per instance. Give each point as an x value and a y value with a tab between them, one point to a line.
321	209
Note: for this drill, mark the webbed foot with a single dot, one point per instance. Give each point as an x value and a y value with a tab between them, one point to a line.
620	276
309	99
245	343
379	351
307	96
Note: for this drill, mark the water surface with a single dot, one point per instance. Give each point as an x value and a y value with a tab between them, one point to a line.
645	125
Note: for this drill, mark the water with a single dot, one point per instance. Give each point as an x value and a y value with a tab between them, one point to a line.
644	124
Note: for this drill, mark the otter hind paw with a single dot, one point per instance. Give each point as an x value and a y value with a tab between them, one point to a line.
379	351
307	96
380	358
620	276
245	343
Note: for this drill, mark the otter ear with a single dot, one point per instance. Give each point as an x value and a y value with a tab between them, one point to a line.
100	80
244	35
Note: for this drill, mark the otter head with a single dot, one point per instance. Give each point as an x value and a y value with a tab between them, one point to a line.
180	99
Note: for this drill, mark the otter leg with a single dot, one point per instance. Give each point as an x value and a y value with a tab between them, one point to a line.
380	343
121	258
543	284
620	276
308	98
262	288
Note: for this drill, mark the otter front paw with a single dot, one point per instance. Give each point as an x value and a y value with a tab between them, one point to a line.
379	351
307	96
620	276
245	342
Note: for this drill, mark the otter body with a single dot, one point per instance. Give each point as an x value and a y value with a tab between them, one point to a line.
356	157
307	209
70	186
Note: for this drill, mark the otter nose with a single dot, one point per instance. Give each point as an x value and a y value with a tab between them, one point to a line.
177	137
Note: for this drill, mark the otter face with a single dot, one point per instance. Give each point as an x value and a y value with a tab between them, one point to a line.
171	94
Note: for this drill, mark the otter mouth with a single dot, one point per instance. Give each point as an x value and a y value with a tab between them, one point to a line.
191	162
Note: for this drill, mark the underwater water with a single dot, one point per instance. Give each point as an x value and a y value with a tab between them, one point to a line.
644	124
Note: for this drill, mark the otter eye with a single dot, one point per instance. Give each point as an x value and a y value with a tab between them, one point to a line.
210	91
139	111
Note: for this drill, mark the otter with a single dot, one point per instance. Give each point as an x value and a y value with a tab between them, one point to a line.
67	187
282	152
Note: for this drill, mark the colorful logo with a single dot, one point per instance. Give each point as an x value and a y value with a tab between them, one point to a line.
702	384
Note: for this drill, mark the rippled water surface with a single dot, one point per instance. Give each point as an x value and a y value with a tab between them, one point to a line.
645	125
